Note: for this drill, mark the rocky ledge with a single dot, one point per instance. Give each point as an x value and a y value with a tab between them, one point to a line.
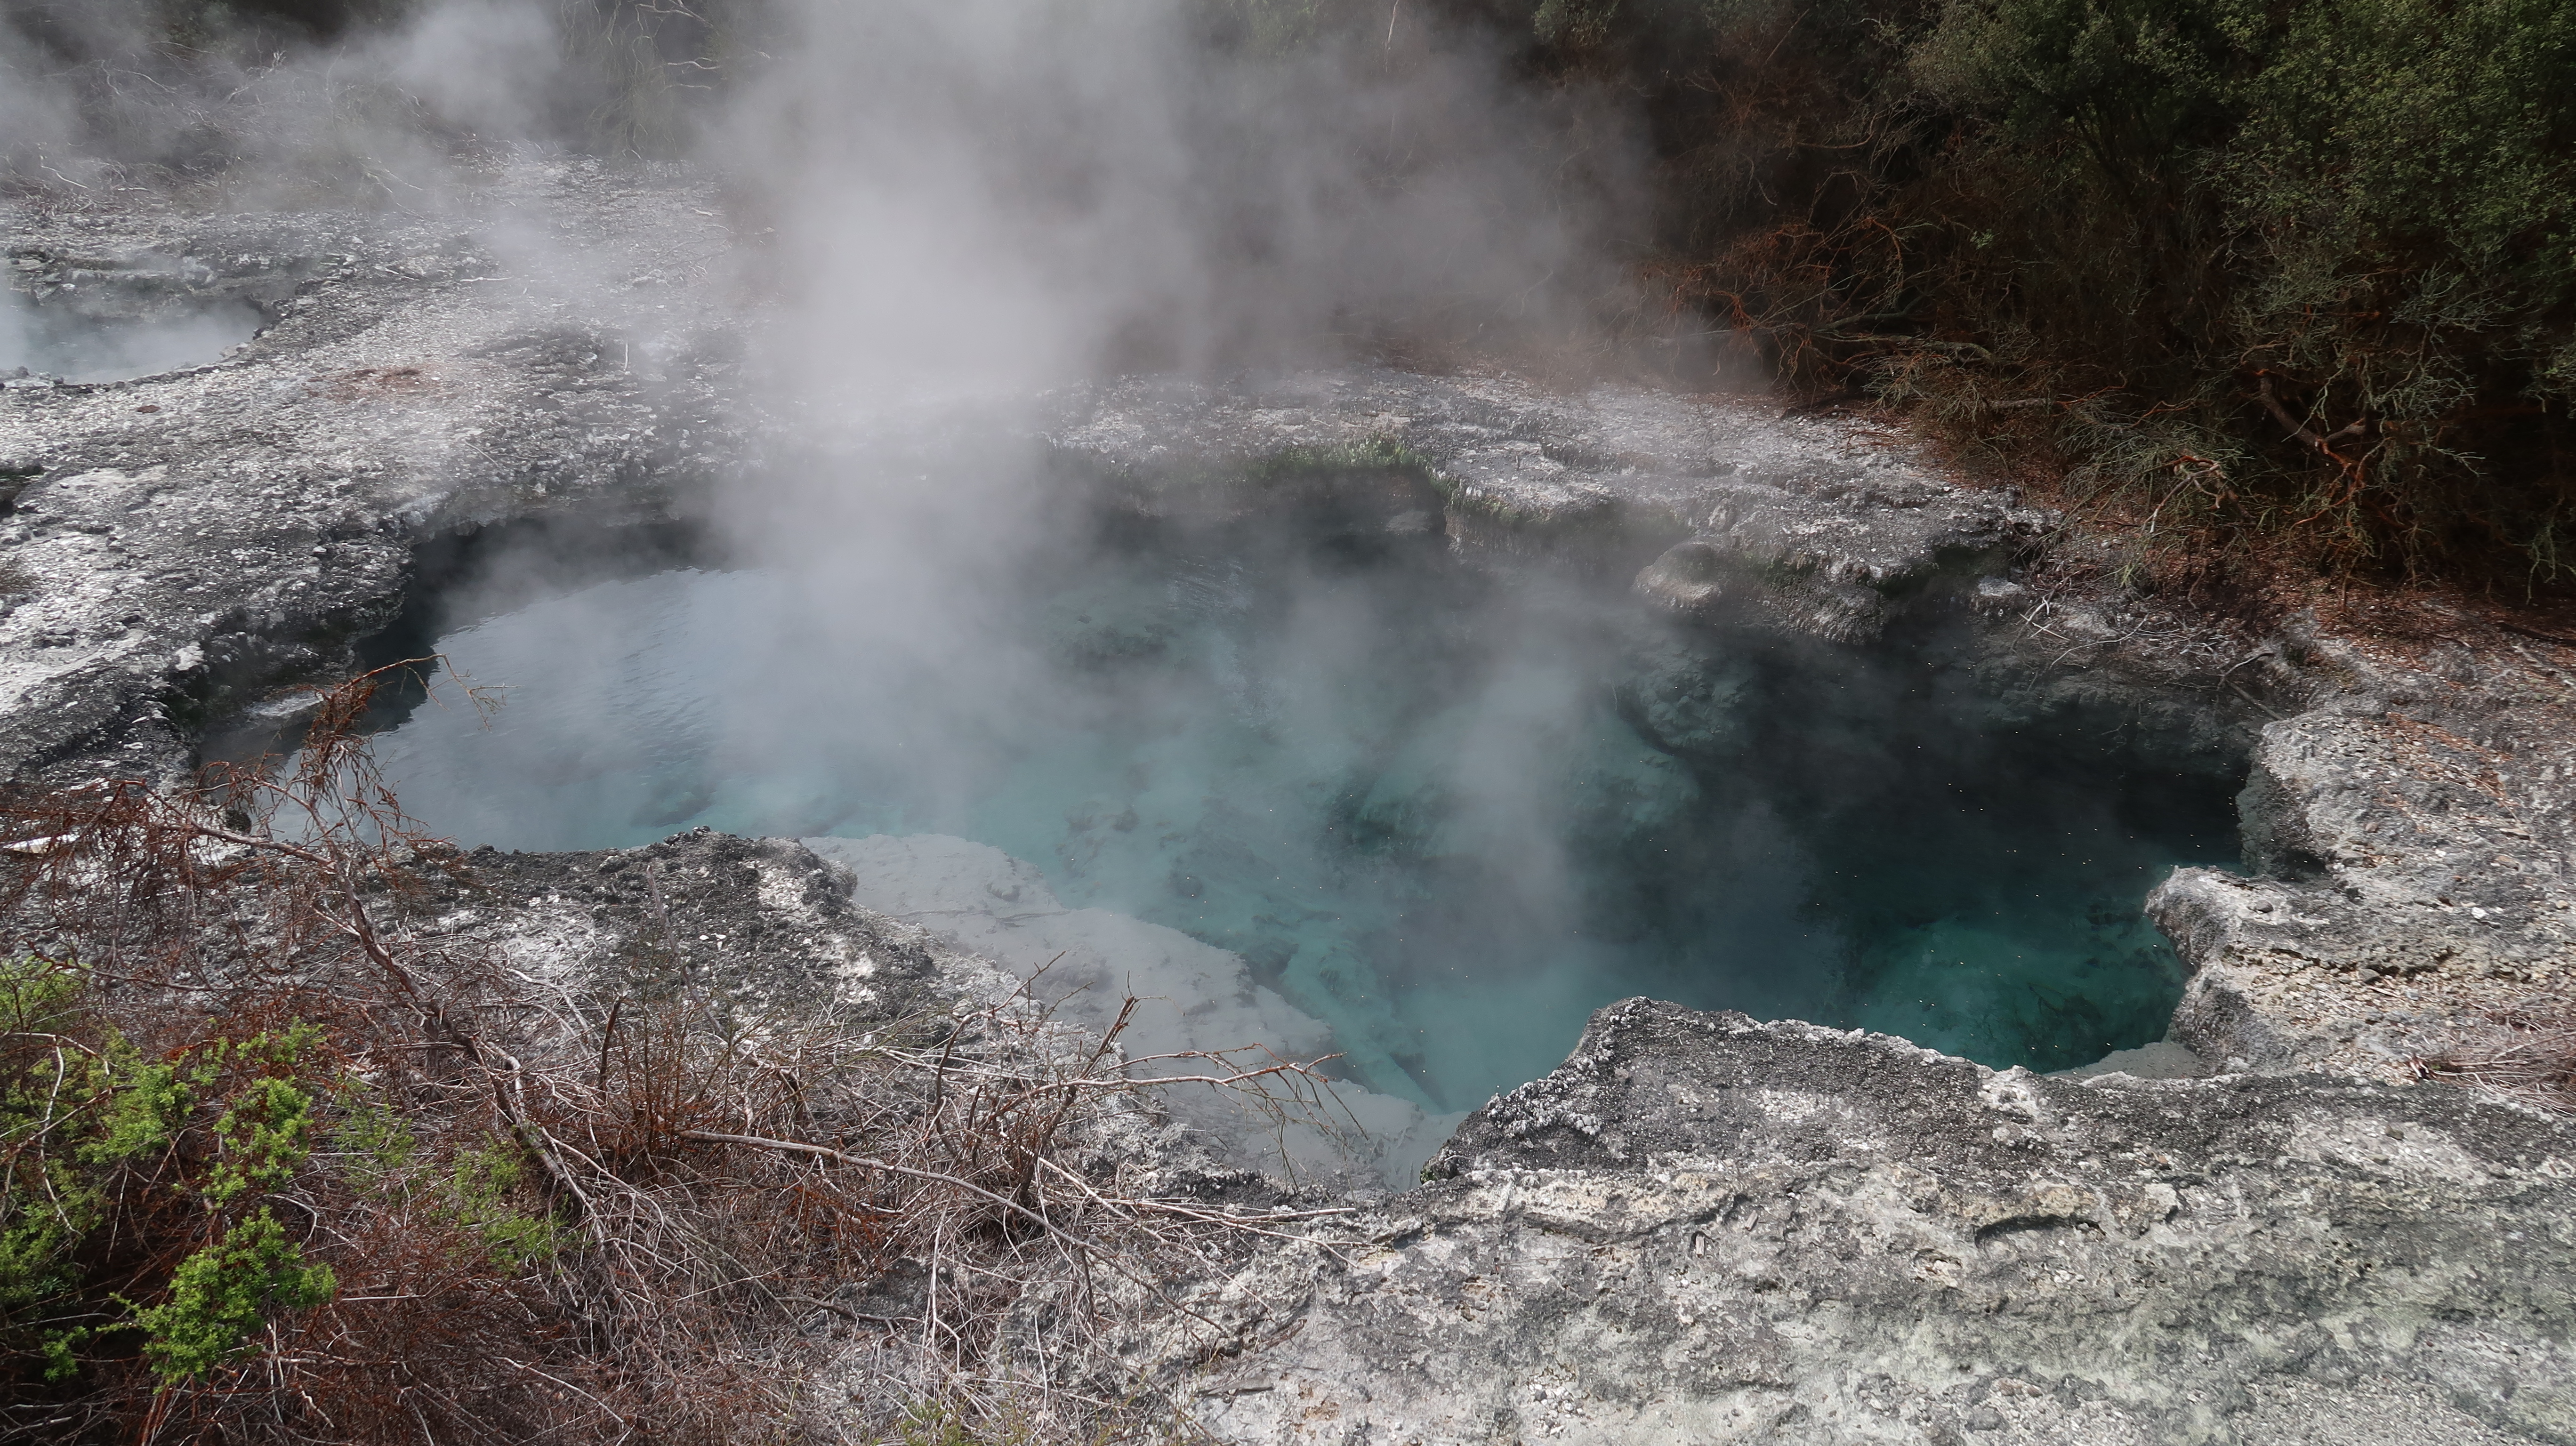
1706	1228
1703	1228
2411	837
1816	525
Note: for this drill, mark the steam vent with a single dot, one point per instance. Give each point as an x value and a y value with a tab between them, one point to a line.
1003	721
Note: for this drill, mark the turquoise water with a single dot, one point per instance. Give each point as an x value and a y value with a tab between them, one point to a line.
1446	812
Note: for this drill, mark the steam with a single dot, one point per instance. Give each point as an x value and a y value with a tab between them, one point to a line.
958	205
1028	190
17	342
958	194
946	217
80	348
474	67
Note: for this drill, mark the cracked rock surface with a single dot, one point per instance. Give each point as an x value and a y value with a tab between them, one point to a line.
1702	1228
173	544
2413	834
755	925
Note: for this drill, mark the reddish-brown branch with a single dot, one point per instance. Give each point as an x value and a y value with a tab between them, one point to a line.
2300	431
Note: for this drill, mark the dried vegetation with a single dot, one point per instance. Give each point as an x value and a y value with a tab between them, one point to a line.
2526	1054
283	1162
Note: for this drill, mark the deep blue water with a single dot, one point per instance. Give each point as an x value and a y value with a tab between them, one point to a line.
1447	812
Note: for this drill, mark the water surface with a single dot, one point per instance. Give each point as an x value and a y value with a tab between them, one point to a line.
1448	813
59	341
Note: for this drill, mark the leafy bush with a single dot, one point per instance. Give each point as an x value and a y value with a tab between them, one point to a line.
2301	270
221	1293
107	1152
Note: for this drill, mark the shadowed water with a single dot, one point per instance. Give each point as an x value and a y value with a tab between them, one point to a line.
1446	812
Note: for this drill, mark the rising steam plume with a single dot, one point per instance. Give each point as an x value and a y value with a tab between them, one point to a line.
941	202
995	192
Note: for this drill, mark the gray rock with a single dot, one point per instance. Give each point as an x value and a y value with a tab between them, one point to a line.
194	538
2163	1059
755	924
2414	848
1702	1228
1819	527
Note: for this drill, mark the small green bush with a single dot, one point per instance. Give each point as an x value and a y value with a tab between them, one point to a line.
110	1155
222	1293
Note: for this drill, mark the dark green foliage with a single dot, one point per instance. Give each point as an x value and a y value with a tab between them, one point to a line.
2301	269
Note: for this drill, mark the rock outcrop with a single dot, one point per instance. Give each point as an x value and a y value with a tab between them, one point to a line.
1821	526
1702	1228
2412	838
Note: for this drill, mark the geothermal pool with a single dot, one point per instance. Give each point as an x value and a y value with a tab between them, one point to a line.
73	345
1445	810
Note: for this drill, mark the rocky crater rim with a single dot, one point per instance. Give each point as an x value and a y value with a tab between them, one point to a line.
1705	1227
176	546
1330	492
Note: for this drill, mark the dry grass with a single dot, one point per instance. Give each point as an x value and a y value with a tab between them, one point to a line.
2526	1054
284	1164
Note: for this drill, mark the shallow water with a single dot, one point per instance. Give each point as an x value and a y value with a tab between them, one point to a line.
59	342
1447	813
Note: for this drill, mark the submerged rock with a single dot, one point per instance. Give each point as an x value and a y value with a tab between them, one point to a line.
1187	997
1111	622
1605	789
1691	701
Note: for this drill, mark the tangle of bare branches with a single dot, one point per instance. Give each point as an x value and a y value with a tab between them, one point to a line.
287	1162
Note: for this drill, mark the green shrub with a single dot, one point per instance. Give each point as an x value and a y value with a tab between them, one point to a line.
2302	269
113	1159
222	1293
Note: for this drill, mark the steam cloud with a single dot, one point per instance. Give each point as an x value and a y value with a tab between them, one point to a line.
945	208
1026	189
946	201
990	192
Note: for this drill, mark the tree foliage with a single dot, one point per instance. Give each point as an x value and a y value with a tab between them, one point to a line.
2300	268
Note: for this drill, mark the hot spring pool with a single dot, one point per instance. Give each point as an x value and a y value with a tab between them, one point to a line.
1445	811
76	346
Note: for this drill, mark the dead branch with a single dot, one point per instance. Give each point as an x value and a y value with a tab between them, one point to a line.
2299	431
888	1167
